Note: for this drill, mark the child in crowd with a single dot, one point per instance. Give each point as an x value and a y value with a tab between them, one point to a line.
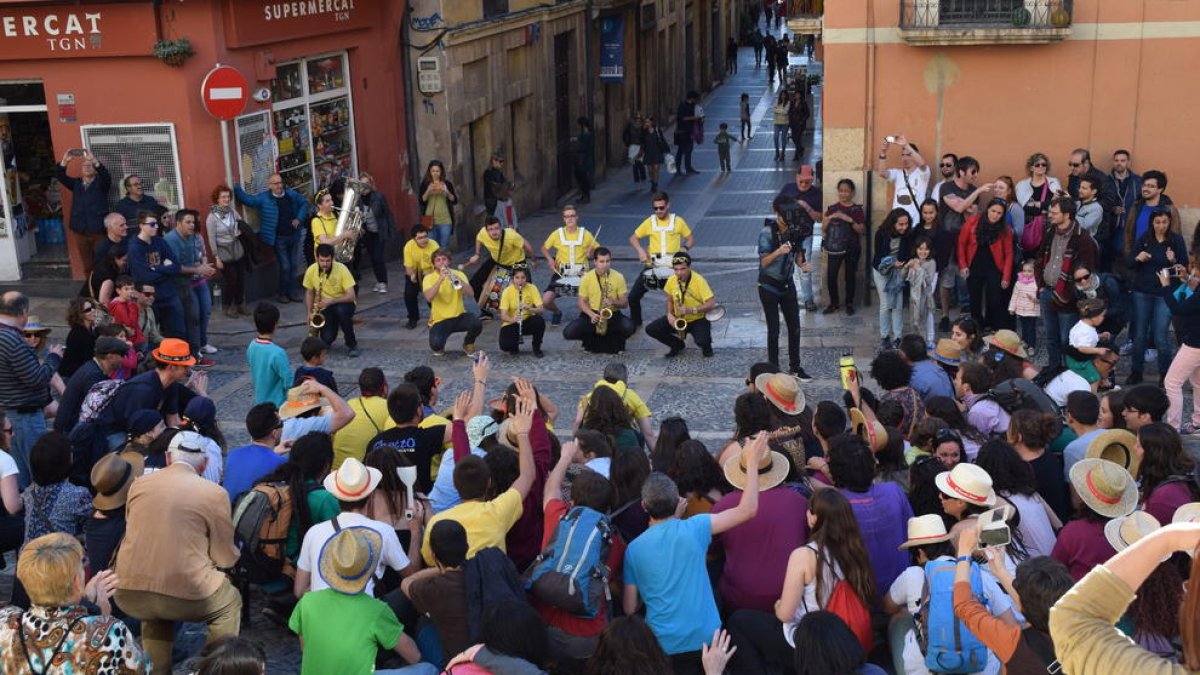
314	351
722	140
922	280
1084	339
1024	303
595	452
744	107
124	311
269	368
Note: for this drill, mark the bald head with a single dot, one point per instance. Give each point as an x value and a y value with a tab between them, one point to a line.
14	306
275	184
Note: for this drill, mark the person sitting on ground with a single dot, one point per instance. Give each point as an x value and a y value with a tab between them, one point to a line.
439	591
232	655
893	373
824	644
371	417
971	386
56	634
514	641
1167	471
405	436
628	647
52	504
314	351
248	463
1082	413
313	407
928	378
1143	404
616	377
1105	490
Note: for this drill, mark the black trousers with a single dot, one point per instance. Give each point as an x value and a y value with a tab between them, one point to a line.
775	300
989	302
339	316
463	323
234	281
700	330
635	299
533	328
620	327
412	289
758	637
373	245
833	265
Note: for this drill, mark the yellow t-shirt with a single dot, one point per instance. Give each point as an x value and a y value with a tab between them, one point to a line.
448	303
559	240
697	294
322	225
514	247
672	230
333	285
420	259
487	523
634	403
589	288
371	417
530	297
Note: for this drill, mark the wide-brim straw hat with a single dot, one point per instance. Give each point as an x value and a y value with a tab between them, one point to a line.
175	352
352	481
927	529
782	391
299	402
1125	531
1116	445
34	326
1007	341
948	352
1188	513
967	482
112	476
873	433
349	558
1106	487
772	469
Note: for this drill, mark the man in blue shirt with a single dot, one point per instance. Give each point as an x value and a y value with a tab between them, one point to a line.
665	566
247	464
192	282
152	262
281	216
777	256
928	378
158	389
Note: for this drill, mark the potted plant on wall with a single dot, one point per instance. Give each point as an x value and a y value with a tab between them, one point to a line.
173	52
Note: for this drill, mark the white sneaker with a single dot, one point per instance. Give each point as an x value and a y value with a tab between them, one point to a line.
381	287
209	349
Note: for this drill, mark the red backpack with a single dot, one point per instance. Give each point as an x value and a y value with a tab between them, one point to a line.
846	604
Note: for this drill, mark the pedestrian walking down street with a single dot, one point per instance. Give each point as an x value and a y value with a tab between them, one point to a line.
722	140
744	111
731	53
756	41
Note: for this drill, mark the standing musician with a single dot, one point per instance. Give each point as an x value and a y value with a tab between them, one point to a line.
603	288
521	314
329	293
665	232
688	298
444	288
507	248
418	261
572	245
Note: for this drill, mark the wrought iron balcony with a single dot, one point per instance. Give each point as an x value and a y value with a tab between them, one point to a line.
967	22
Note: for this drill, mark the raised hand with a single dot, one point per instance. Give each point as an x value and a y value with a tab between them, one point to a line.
462	403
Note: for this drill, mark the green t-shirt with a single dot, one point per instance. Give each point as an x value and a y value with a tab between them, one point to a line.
342	633
323	506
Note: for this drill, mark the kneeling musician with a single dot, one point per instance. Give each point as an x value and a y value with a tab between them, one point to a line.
521	314
601	325
689	298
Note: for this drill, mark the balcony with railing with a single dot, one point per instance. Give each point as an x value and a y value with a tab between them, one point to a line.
984	22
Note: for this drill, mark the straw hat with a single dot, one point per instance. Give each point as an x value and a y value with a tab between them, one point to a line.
1106	487
947	352
967	482
175	352
505	435
1008	341
300	402
927	529
34	325
772	469
874	433
112	476
782	391
1116	445
1188	513
1123	532
349	558
352	481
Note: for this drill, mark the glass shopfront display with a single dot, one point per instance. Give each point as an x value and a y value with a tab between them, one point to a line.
313	122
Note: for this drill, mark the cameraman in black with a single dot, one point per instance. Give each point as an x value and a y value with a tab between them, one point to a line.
779	249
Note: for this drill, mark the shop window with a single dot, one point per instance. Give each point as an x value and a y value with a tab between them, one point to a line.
255	150
312	122
148	150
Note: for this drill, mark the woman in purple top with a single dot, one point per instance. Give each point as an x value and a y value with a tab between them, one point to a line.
1166	471
881	509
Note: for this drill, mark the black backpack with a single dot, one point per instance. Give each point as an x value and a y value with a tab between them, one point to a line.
491	578
1022	394
837	237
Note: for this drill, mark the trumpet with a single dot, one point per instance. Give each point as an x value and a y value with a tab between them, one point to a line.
602	325
455	282
681	325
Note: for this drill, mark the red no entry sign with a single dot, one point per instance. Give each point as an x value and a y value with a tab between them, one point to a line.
224	92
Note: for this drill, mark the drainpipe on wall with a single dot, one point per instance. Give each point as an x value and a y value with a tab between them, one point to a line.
411	128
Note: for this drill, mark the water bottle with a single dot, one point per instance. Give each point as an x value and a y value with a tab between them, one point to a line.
848	369
216	298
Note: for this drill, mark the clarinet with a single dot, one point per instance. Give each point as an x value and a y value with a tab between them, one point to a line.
521	316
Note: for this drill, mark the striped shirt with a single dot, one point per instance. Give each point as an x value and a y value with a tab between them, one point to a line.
27	382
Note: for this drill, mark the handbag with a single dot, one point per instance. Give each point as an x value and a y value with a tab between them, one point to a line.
427	222
1035	229
635	149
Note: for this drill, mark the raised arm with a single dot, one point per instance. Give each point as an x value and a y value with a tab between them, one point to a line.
521	424
748	505
458	428
342	413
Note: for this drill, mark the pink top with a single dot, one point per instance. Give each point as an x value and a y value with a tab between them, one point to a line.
1081	546
1024	300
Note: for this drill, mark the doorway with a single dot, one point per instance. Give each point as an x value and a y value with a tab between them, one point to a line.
562	111
32	237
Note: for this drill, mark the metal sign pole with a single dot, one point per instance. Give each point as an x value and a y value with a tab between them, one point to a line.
225	152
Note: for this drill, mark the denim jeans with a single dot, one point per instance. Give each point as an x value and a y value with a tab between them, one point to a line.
415	669
441	234
202	308
1151	313
169	312
27	428
891	308
286	257
1058	326
780	138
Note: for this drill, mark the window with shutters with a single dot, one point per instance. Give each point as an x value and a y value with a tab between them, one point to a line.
149	151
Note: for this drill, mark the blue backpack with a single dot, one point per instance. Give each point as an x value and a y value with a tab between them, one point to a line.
571	573
947	644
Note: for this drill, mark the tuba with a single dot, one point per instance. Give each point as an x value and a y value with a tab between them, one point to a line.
602	324
349	221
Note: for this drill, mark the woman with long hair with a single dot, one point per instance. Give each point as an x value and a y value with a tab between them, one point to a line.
1154	613
947	410
699	478
985	260
1166	470
229	252
1014	214
1112	409
389	501
751	414
834	552
779	113
436	200
923	493
1104	490
931	220
892	372
1034	193
1035	524
893	248
82	314
966	334
606	413
628	647
1029	433
1159	248
628	470
308	463
654	150
671	434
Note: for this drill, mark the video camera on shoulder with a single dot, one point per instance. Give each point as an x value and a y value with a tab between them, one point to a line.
796	220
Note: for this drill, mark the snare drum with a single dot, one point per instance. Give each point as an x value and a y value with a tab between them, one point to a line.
501	278
658	270
568	286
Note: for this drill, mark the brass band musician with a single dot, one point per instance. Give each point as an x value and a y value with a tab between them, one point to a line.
601	325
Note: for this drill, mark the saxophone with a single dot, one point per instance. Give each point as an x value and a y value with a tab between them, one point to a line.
681	323
316	320
349	221
605	311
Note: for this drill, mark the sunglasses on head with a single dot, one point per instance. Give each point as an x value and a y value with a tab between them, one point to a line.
944	435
